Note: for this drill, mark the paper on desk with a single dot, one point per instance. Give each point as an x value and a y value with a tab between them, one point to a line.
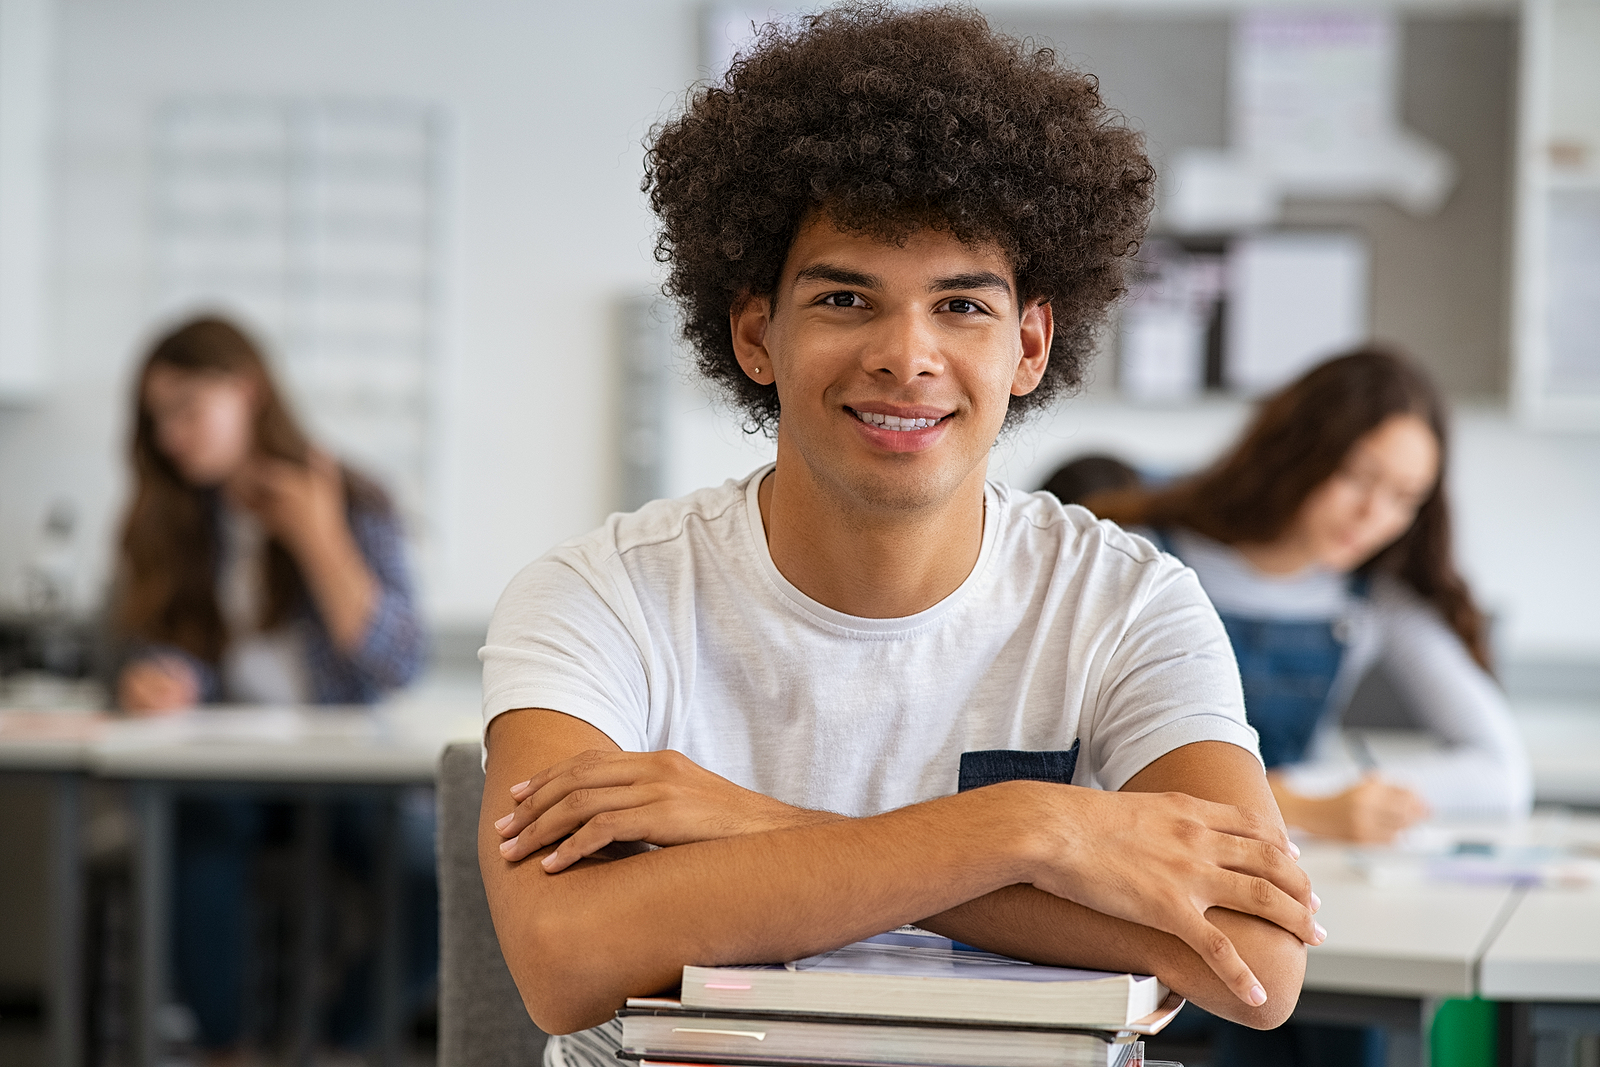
1482	863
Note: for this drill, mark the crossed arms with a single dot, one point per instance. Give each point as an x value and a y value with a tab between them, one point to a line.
1186	874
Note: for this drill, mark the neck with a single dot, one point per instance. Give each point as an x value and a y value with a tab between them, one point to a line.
867	562
1286	555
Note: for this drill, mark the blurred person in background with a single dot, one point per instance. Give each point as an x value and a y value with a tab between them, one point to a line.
1078	479
1323	538
253	569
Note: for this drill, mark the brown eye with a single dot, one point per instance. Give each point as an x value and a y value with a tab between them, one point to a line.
963	307
842	300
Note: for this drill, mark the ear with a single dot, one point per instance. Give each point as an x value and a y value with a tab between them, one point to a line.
1037	330
748	321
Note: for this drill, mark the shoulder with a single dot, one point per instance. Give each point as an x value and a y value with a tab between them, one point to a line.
1066	554
670	533
1038	525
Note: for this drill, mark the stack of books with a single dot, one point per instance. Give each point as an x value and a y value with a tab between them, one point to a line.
902	998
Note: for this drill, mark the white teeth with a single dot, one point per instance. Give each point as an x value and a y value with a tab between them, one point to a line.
894	422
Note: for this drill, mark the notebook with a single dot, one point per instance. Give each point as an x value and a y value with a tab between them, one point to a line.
916	975
664	1029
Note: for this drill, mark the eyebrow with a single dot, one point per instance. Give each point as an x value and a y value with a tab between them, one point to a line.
828	272
983	279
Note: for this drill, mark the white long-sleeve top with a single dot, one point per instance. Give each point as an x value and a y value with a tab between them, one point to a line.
1481	768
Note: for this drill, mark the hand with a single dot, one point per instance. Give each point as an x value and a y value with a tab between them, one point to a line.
159	685
1162	860
1372	811
301	505
663	798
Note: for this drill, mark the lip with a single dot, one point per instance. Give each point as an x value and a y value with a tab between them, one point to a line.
899	441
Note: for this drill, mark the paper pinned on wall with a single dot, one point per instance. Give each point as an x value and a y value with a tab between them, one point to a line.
1294	299
1573	302
1314	108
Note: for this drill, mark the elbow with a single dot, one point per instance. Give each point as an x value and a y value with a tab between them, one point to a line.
555	990
1278	960
1281	977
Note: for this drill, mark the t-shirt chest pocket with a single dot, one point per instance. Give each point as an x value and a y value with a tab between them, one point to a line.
994	766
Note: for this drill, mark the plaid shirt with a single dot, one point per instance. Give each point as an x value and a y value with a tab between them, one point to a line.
390	655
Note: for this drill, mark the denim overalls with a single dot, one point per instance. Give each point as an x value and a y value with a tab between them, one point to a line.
1288	669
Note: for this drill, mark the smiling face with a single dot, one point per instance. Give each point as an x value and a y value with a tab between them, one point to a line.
1373	497
204	421
894	364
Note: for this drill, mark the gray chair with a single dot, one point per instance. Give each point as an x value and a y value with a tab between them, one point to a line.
482	1022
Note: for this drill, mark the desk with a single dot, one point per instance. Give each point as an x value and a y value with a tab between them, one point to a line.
1397	940
1549	949
1426	941
307	754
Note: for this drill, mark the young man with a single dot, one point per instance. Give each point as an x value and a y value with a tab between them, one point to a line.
853	690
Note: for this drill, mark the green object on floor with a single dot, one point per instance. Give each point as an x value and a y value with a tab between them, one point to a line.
1465	1033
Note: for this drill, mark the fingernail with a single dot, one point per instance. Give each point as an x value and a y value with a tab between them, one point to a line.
548	861
1294	850
1322	935
1258	996
519	787
1316	901
502	822
506	846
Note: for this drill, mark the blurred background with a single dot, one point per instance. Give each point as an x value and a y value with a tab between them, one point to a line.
430	213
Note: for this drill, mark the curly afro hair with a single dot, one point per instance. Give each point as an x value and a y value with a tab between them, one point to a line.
888	121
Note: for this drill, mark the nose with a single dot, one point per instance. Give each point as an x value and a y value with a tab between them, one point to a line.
903	347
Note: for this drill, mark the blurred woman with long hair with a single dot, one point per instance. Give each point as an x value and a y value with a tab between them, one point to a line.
253	569
1323	538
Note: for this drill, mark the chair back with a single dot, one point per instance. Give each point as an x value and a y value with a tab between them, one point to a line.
482	1022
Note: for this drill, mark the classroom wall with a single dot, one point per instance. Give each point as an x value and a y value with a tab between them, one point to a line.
548	229
548	105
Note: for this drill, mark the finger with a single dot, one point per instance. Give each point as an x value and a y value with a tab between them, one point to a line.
578	765
571	811
1214	947
1261	859
591	837
1227	819
595	835
1259	897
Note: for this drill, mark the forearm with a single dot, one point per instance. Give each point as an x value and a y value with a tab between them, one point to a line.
342	586
1026	923
579	942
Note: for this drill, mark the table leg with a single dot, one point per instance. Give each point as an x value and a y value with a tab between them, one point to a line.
312	846
390	989
66	920
152	890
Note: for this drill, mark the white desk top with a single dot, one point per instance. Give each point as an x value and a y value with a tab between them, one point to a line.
1418	940
1549	949
1393	931
395	742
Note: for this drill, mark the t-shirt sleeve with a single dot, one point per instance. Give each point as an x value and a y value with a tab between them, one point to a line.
558	641
1170	681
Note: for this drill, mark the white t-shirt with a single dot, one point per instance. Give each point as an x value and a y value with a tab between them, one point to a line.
258	666
672	628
